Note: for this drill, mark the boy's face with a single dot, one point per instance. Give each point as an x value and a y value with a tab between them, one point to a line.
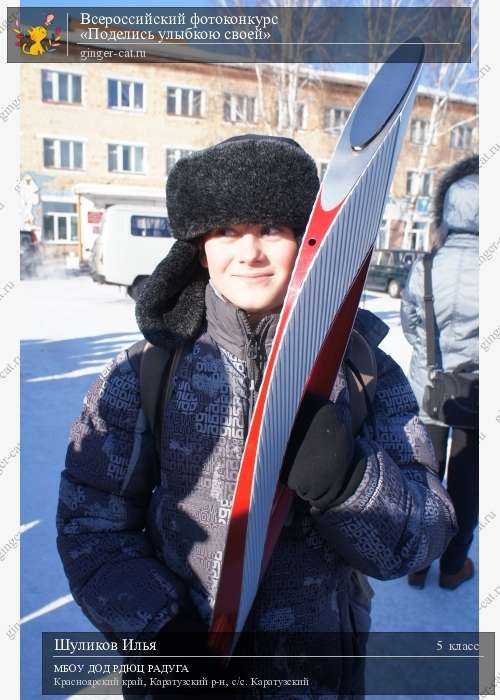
250	264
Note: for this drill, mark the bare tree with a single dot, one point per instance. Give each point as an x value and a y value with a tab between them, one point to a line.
281	82
279	87
446	80
388	26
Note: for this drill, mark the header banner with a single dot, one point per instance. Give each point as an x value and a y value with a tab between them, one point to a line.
234	34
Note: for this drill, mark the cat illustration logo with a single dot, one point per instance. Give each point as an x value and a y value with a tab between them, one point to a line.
36	41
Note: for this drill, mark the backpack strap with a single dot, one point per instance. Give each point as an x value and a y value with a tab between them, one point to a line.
430	321
156	376
361	377
134	355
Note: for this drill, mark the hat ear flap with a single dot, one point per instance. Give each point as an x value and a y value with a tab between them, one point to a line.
171	307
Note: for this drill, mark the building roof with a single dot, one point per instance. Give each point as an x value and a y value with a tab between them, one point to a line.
359	80
119	190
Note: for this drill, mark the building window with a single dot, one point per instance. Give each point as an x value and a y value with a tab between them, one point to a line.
61	87
383	235
59	222
239	108
125	94
150	226
335	119
418	235
284	114
174	154
412	184
419	131
184	102
60	228
322	168
60	153
125	158
461	137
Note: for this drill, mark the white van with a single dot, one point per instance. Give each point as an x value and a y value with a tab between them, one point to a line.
133	240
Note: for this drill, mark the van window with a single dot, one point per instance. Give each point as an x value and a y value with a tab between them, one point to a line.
150	226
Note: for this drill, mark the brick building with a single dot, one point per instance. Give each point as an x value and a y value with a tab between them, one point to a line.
94	135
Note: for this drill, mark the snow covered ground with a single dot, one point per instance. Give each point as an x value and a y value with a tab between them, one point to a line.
70	328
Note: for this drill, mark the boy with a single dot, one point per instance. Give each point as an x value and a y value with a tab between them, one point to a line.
144	562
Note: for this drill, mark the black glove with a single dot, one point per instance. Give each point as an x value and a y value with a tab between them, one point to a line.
322	463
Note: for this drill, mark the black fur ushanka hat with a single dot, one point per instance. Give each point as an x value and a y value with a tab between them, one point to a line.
245	179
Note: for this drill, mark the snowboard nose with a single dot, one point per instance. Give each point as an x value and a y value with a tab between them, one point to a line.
386	92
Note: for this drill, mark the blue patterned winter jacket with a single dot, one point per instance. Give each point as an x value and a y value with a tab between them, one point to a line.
133	553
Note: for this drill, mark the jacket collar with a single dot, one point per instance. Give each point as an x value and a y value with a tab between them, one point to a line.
230	326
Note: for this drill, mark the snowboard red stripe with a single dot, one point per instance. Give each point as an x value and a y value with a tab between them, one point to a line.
320	382
228	595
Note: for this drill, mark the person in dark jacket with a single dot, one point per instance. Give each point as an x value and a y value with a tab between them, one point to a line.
142	548
455	285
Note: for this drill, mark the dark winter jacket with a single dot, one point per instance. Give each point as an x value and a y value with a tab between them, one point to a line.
133	556
455	281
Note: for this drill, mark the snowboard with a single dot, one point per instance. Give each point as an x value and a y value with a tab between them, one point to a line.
314	327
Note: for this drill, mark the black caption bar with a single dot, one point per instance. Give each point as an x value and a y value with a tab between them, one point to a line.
229	34
420	663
